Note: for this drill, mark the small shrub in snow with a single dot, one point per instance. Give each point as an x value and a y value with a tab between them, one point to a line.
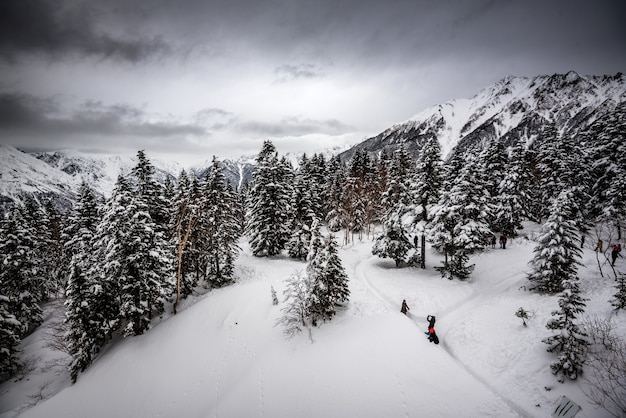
274	297
523	315
606	367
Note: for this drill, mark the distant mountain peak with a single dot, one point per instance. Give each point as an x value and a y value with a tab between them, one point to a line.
513	109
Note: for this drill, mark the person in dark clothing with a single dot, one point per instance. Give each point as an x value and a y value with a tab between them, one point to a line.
493	241
405	308
503	241
614	253
432	336
599	246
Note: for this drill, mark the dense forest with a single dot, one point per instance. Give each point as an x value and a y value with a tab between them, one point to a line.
118	262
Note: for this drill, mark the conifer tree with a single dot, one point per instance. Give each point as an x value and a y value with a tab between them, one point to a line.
219	225
83	335
336	217
151	192
426	187
508	205
620	297
556	255
460	222
269	210
184	219
304	214
297	313
20	281
394	241
606	139
570	340
10	331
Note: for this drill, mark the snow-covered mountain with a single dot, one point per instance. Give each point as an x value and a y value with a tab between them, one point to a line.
513	109
22	174
57	175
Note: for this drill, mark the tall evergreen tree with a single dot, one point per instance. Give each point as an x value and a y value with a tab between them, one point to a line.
570	340
10	331
398	201
83	334
20	279
508	204
304	213
220	226
328	279
269	210
556	255
426	187
460	222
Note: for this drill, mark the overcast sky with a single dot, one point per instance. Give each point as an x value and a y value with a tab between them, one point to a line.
190	79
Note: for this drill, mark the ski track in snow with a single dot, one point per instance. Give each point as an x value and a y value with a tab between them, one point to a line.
359	270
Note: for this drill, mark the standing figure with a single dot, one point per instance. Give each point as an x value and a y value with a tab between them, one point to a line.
582	241
405	308
599	246
614	254
493	240
432	337
503	241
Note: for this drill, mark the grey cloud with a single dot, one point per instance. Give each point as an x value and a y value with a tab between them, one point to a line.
30	116
286	72
294	126
56	28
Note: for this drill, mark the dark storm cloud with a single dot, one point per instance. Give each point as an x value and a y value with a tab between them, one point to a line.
55	28
33	117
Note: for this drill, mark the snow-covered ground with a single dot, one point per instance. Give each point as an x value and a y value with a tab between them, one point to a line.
223	356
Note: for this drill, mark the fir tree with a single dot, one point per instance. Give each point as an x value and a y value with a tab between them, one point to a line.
20	281
10	331
426	186
394	241
328	280
83	335
508	204
620	297
556	255
460	222
569	342
219	225
269	210
304	214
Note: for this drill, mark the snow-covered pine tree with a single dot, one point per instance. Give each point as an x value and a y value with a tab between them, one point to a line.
556	255
19	276
145	279
620	297
219	227
151	191
492	163
569	342
82	336
335	276
55	262
355	193
10	331
426	187
269	210
460	221
510	198
336	217
606	139
304	213
394	241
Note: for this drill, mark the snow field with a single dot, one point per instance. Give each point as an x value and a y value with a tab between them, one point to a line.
223	356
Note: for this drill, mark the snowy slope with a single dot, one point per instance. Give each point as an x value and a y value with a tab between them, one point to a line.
22	173
512	109
223	356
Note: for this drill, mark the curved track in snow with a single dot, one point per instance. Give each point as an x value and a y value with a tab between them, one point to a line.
360	274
